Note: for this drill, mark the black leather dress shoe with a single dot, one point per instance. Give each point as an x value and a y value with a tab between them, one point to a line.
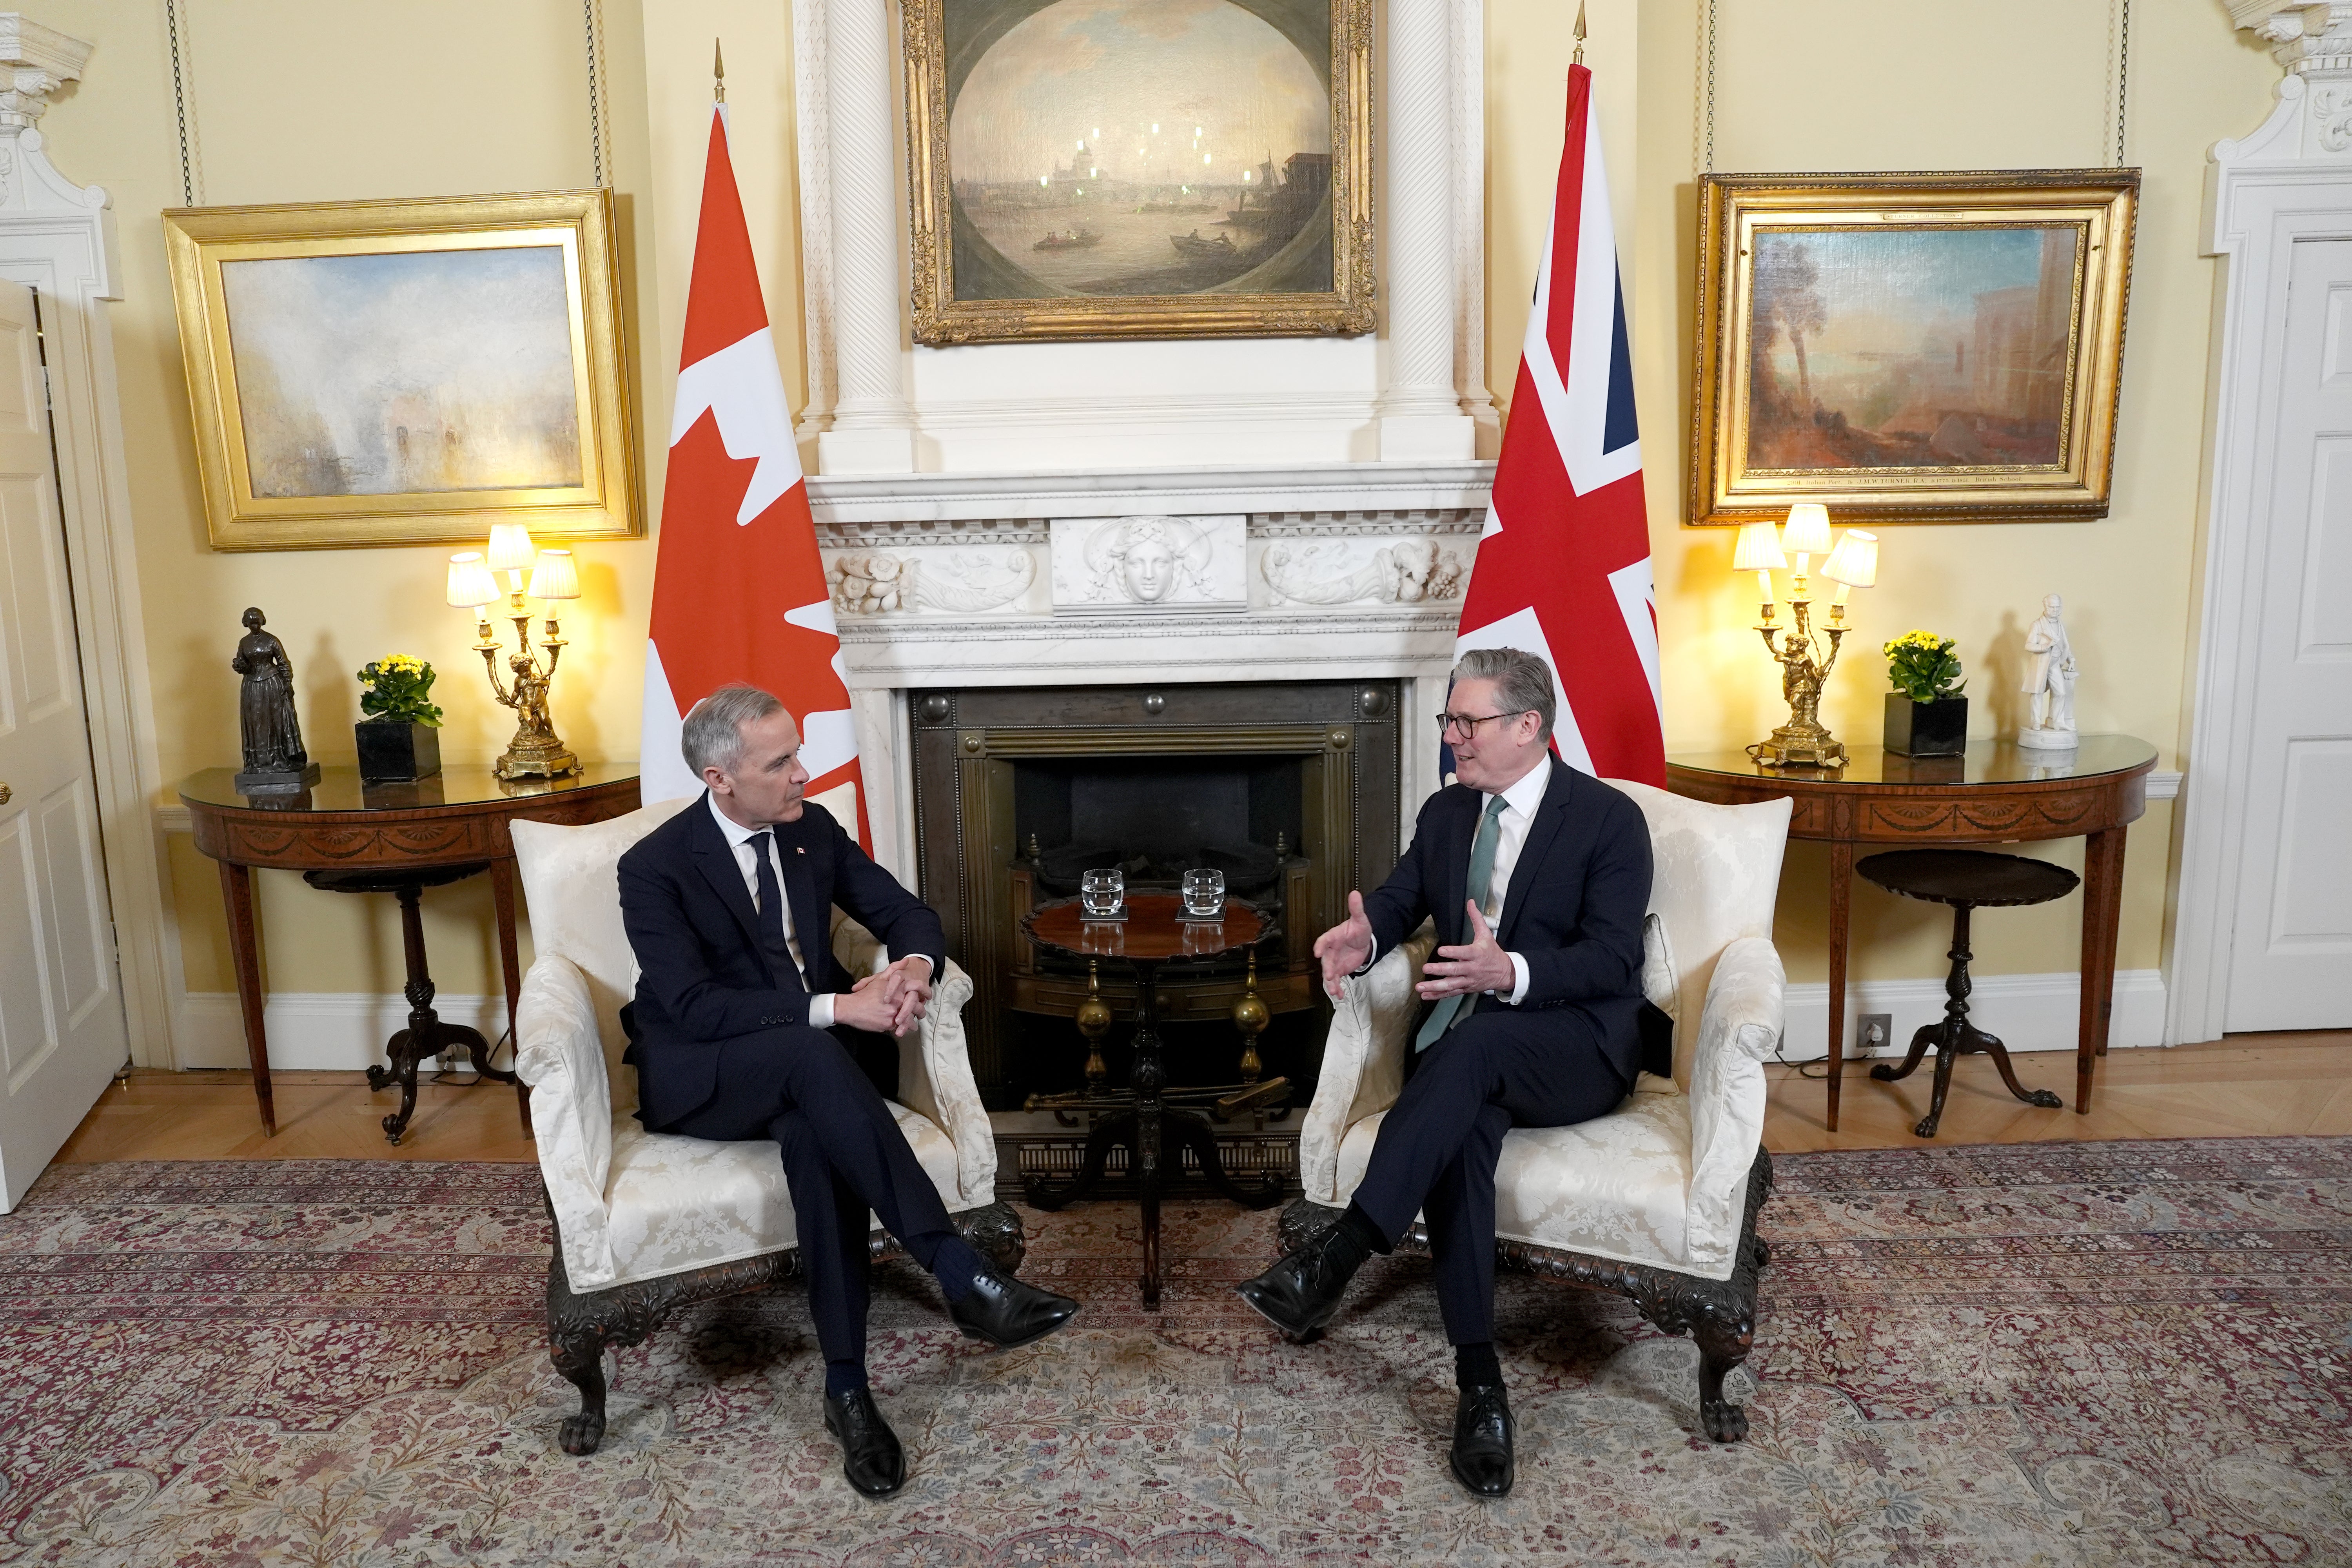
1482	1433
1302	1293
1008	1313
870	1455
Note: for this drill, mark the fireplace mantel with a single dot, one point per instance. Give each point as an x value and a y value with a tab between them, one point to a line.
1325	571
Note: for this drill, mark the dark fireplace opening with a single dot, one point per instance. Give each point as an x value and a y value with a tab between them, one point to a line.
1156	818
1290	787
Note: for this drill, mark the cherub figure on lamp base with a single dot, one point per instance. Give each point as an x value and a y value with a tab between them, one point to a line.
1802	742
535	751
2050	676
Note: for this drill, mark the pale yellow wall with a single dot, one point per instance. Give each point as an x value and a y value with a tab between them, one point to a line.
296	100
299	100
1827	85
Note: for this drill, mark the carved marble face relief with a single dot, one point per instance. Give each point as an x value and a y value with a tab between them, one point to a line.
1149	571
1170	561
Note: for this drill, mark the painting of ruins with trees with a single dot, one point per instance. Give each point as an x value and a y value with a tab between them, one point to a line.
1910	348
1915	348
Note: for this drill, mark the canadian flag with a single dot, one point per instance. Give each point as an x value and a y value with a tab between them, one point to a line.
739	590
1563	566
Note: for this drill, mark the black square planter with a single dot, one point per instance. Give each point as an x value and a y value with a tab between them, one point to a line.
397	752
1925	729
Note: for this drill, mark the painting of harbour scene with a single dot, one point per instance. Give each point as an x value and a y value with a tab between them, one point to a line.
405	372
1108	148
1947	346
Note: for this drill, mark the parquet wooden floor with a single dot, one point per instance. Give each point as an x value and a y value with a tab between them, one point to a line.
2244	1086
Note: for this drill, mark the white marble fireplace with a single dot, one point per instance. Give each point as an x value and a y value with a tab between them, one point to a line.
1324	572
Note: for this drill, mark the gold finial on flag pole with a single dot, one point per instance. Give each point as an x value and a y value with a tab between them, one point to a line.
718	71
1578	58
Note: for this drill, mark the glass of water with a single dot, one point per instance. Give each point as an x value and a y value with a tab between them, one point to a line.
1204	893
1102	892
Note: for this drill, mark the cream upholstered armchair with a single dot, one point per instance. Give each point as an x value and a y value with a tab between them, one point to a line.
1657	1200
646	1222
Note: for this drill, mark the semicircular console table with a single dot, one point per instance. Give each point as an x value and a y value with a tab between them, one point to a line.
1998	793
348	836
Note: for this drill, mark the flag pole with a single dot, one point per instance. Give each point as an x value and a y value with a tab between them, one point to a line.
718	67
1577	58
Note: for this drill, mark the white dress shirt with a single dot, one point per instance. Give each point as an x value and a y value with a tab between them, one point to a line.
1520	802
738	838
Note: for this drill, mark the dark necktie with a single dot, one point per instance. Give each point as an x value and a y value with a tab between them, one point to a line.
1452	1010
771	911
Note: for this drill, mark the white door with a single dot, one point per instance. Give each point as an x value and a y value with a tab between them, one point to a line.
2291	944
61	1022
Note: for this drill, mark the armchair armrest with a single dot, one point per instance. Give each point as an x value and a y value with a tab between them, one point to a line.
935	1079
1363	1060
559	1054
1737	1029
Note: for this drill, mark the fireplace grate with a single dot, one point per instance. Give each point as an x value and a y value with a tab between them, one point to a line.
1249	1157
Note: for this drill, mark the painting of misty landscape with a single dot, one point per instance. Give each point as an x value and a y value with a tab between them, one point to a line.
1921	348
1133	147
405	373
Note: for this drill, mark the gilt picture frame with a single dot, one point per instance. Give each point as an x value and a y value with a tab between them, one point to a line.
1106	169
1910	347
406	371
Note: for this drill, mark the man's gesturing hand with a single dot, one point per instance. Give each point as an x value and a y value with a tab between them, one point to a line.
1346	947
1480	966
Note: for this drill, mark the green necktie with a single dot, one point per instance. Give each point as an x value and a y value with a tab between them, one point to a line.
1452	1010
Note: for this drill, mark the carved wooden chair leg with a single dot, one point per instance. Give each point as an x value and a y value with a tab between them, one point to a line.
1724	1335
579	1356
994	1232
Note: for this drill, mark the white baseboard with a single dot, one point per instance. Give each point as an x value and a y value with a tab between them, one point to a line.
2028	1012
319	1030
346	1030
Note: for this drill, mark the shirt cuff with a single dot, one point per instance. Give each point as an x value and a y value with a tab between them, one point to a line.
1518	990
1367	963
821	1011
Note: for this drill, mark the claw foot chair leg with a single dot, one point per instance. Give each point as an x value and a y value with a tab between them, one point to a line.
581	1361
1721	1347
580	1328
994	1232
1719	1315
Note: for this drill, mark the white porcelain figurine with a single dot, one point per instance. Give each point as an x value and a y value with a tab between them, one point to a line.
2050	675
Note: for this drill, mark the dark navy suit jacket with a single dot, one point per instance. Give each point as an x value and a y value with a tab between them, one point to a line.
703	978
1573	909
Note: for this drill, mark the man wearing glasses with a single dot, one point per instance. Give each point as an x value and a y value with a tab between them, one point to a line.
1537	878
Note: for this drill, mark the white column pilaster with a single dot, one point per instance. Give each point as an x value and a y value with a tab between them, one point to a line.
1421	408
873	427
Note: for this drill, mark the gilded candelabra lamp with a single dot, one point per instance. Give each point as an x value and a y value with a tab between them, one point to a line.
1805	666
535	751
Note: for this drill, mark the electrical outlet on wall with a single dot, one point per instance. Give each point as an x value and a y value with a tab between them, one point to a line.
1873	1031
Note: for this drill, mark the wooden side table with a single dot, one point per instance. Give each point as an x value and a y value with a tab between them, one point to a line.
1142	1119
395	838
1998	793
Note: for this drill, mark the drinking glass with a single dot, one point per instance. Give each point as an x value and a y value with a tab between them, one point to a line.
1102	891
1204	892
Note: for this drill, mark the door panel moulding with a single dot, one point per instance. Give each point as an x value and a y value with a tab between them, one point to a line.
2289	181
58	238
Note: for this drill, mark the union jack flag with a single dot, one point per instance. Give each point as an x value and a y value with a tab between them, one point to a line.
1563	566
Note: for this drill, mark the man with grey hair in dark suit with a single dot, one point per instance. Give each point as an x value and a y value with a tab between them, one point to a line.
1537	878
745	1027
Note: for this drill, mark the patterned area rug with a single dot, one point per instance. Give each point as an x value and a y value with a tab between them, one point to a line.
2068	1353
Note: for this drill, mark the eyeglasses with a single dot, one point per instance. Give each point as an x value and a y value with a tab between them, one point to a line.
1467	726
